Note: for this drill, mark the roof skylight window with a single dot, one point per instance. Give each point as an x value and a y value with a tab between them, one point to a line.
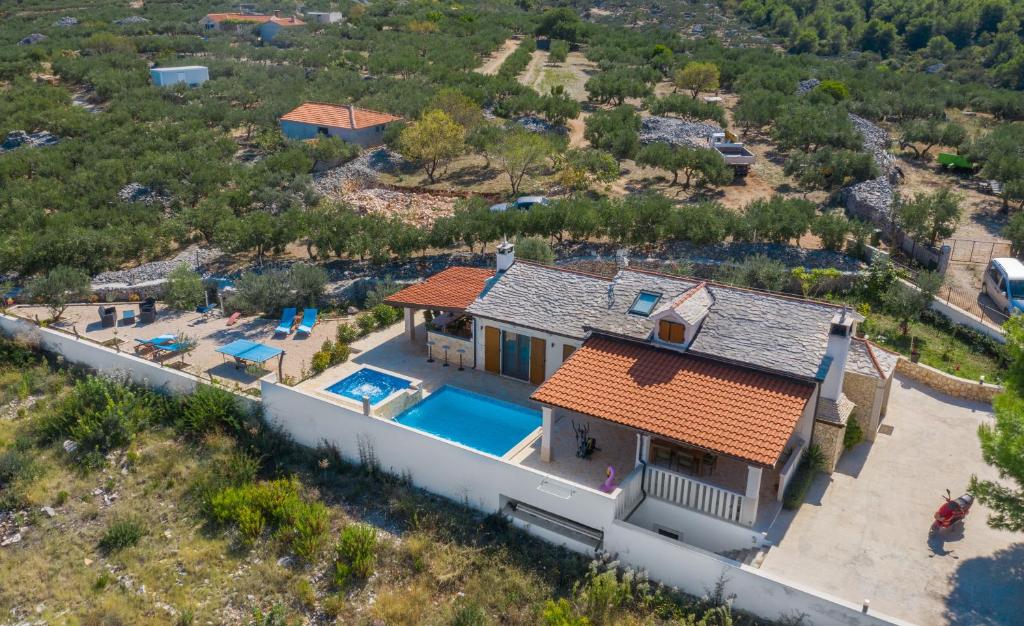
644	303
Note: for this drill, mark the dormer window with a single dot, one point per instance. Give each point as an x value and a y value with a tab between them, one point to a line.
671	332
644	303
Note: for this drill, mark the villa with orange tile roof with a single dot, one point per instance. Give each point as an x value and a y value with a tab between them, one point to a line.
723	390
353	124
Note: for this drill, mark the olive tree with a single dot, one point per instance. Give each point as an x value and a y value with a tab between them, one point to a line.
433	141
59	287
521	152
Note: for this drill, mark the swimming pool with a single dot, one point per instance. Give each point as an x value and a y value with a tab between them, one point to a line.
368	382
486	424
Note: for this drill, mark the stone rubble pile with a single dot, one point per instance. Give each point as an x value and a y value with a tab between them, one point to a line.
535	124
66	21
136	192
19	138
194	256
132	19
676	131
806	86
421	209
31	39
872	200
876	141
364	169
354	184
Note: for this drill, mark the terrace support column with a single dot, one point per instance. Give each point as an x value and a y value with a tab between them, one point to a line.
410	323
751	496
547	433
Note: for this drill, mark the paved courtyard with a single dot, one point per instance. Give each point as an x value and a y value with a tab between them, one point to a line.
863	532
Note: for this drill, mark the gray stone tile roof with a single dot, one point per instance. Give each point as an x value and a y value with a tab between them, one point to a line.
766	331
868	359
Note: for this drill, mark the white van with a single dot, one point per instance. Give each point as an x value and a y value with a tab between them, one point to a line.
1004	283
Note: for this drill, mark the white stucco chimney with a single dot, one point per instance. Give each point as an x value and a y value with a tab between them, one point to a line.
622	258
506	255
277	13
840	334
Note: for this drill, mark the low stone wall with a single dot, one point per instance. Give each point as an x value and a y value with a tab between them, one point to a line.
948	384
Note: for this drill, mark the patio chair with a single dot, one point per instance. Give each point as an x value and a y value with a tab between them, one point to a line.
234	318
108	316
147	311
287	322
308	321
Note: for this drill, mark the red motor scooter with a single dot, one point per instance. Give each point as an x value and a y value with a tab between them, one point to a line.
952	511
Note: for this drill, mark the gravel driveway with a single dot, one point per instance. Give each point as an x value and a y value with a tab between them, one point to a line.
863	532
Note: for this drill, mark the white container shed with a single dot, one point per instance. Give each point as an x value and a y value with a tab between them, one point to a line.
191	75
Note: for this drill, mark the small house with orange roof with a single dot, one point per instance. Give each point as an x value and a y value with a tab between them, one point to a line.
350	123
268	26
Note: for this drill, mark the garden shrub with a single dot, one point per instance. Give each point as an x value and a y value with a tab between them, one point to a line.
184	289
275	506
810	465
385	315
99	415
330	354
320	361
210	408
366	323
347	333
122	533
853	435
380	290
355	554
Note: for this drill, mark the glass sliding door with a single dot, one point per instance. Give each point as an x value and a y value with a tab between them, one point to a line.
515	355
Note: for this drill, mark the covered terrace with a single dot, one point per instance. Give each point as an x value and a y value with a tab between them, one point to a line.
443	298
714	437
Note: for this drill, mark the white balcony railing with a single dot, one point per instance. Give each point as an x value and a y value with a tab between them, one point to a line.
630	494
790	466
693	494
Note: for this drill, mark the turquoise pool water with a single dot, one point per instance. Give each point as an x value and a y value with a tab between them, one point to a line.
486	424
368	382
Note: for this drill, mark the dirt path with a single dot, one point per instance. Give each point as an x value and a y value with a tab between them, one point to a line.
576	128
493	62
534	72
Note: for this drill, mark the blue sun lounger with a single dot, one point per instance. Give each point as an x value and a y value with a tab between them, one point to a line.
308	321
156	342
287	322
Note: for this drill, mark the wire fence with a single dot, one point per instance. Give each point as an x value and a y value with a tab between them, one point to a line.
977	251
975	303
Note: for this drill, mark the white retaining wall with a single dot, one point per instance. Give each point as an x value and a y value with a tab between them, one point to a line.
442	467
695	571
100	358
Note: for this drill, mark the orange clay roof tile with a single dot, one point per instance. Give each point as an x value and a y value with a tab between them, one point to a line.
337	115
454	288
724	408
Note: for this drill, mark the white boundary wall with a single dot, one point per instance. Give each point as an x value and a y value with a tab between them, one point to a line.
696	571
478	480
446	468
101	358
